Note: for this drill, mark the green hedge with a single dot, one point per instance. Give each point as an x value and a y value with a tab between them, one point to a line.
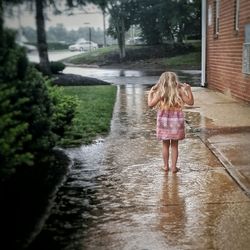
55	67
107	56
54	45
33	114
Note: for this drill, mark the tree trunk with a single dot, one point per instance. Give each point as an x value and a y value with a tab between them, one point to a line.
180	33
120	29
1	23
104	29
41	38
179	38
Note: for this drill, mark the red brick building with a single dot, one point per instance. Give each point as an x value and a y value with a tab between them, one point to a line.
226	47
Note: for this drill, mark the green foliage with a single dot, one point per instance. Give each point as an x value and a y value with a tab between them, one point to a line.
191	59
33	115
94	112
37	111
64	110
13	59
57	46
14	133
159	20
56	67
105	56
121	11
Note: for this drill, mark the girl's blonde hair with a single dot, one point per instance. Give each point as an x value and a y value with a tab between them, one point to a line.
167	89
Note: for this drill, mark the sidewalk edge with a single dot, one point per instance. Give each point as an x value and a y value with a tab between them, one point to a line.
237	177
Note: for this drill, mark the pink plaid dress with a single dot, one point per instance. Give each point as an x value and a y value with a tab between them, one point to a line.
170	124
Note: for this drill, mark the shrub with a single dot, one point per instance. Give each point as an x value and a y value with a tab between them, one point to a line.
33	114
64	110
56	67
14	133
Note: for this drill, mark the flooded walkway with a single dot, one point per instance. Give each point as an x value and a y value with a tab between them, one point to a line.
117	196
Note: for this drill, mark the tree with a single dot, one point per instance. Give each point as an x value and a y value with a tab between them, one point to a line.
149	18
32	114
41	32
41	38
122	15
102	4
167	19
40	24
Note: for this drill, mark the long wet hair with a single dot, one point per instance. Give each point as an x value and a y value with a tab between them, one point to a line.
167	88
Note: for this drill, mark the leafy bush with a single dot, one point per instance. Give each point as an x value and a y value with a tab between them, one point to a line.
33	114
64	110
57	46
133	53
14	133
56	67
160	51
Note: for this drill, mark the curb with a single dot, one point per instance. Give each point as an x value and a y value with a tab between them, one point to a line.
229	167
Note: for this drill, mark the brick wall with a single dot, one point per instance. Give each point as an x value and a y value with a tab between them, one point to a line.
224	51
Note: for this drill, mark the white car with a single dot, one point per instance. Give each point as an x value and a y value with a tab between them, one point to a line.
136	41
83	46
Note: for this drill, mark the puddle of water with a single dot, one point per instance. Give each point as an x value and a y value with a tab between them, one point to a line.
118	76
197	121
117	197
121	77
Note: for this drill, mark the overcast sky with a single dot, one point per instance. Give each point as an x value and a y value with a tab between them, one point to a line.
94	18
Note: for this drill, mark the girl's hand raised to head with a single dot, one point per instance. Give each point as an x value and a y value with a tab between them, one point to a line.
186	94
186	86
154	88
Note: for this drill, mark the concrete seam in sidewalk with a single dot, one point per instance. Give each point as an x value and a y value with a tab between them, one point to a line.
235	175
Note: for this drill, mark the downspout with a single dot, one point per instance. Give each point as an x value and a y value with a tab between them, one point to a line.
203	42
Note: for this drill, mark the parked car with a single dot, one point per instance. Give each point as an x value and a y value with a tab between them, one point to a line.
135	41
83	46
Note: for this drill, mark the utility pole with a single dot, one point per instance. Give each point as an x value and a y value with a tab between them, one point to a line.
104	30
20	30
89	39
89	35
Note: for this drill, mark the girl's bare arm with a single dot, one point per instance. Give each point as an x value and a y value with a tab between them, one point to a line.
186	94
153	99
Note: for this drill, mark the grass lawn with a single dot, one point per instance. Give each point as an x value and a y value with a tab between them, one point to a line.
94	113
92	57
193	59
142	54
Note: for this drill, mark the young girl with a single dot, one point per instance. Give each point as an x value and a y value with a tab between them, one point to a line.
169	96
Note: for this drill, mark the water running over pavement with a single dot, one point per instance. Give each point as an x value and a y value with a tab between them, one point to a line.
117	196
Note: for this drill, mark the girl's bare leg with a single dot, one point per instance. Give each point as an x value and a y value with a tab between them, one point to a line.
174	155
165	153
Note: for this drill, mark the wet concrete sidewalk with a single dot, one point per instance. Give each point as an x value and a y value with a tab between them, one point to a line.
117	197
225	128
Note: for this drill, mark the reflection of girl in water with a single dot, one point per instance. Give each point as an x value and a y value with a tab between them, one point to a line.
172	211
169	96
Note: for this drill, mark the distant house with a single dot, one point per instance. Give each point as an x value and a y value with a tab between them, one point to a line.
226	46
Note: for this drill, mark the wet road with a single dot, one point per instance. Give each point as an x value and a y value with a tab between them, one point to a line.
117	76
121	76
117	196
53	55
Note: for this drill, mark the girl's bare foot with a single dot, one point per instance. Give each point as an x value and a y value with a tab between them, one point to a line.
165	168
175	170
